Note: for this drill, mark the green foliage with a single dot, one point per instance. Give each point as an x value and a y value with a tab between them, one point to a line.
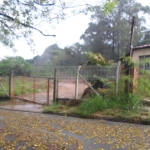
144	86
18	64
76	53
110	5
99	82
54	107
96	59
128	61
127	102
108	34
26	16
144	80
92	105
5	83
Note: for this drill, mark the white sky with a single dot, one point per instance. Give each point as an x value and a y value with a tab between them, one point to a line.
67	33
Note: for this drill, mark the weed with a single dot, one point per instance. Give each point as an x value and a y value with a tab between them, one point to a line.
92	105
54	108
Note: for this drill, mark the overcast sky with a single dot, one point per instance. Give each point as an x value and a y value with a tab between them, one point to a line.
67	33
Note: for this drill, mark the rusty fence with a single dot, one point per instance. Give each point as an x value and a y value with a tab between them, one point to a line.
72	82
47	84
34	89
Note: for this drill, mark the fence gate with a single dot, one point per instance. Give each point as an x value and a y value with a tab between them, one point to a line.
46	84
4	87
71	81
37	89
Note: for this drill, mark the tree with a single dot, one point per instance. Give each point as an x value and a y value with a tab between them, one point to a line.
96	59
18	64
18	18
110	34
76	52
145	39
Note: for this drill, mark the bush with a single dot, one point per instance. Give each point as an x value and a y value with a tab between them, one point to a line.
18	64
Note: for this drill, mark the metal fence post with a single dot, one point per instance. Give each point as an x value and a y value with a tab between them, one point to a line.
48	90
55	93
117	76
22	87
77	83
34	86
11	85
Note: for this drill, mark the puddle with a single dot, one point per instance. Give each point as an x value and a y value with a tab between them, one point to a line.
21	105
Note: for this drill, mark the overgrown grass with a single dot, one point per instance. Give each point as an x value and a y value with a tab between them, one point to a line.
126	103
91	105
25	85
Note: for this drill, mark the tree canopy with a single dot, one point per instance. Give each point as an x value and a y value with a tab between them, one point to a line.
18	18
110	34
18	64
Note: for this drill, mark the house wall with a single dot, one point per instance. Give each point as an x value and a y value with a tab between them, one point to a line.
140	52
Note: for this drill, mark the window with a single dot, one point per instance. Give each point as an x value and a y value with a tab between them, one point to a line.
144	66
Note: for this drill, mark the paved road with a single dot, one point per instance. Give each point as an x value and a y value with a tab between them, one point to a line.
24	130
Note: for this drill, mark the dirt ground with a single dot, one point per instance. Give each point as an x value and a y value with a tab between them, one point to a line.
66	90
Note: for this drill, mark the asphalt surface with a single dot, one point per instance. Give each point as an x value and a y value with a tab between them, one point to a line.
29	131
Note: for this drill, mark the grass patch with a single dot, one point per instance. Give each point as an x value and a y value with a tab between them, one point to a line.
127	103
91	105
55	108
24	84
60	108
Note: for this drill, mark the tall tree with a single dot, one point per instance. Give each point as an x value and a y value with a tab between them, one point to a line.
146	39
18	18
76	52
109	34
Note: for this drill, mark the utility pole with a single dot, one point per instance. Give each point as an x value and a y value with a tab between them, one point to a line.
118	44
131	36
129	85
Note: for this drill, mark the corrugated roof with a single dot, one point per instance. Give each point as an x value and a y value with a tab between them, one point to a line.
141	47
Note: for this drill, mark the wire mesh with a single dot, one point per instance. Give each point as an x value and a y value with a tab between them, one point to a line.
67	89
4	86
33	89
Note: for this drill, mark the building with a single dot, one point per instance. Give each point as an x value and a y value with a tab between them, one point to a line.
141	52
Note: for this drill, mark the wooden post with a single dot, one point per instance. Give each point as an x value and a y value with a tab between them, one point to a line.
11	85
